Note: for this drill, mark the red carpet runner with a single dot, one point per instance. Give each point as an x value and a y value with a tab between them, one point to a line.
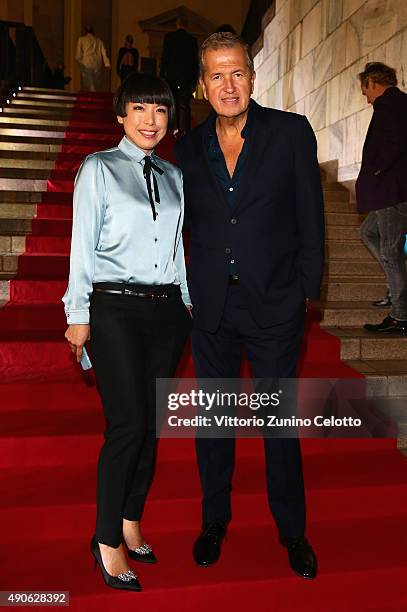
51	433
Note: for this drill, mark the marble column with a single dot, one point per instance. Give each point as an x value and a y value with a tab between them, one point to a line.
72	31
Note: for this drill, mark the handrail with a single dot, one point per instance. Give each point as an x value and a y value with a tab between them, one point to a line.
22	61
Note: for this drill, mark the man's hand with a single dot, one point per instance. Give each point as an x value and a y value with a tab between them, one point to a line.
77	335
189	307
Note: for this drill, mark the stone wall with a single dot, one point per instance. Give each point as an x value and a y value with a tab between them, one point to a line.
312	51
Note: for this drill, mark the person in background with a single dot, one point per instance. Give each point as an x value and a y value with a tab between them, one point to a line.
91	56
127	291
127	58
58	79
381	188
179	67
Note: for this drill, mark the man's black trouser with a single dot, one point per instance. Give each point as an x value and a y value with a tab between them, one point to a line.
272	352
134	341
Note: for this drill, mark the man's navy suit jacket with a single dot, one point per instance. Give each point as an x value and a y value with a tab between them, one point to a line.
382	180
275	229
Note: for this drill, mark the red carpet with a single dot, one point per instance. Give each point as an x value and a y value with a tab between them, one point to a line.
51	434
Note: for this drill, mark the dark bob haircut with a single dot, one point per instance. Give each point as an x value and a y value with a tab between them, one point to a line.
147	88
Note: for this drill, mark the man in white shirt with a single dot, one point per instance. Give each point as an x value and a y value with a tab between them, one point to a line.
91	54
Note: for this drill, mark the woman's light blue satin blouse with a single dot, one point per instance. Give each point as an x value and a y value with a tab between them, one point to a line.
114	236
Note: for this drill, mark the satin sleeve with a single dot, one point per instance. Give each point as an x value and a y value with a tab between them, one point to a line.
89	203
179	257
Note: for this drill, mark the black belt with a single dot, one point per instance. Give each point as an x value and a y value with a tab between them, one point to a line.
149	292
234	279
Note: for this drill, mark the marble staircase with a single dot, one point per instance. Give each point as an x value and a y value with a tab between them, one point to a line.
31	135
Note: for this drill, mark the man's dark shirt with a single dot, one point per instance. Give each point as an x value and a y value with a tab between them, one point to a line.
229	185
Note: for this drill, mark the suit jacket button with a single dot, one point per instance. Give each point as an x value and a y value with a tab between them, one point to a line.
233	221
228	251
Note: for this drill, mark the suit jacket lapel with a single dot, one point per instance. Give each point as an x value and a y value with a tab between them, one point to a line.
259	139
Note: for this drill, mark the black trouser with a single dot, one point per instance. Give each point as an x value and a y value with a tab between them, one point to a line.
134	341
272	352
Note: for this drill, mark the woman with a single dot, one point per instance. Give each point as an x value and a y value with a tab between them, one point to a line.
127	291
127	59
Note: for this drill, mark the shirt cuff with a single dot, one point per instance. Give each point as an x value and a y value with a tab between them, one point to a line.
77	317
186	299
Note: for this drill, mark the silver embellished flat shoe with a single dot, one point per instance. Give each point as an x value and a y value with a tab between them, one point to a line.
143	553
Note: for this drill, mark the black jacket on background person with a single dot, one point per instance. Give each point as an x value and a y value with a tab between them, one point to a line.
275	228
382	180
179	61
135	56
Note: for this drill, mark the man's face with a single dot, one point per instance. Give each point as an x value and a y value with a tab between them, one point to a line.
372	91
227	82
145	124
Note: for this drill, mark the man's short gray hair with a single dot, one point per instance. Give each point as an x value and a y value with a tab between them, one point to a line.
223	40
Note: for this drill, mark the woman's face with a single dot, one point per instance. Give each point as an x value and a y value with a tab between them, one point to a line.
145	124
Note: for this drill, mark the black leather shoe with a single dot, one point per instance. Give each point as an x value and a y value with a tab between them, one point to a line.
127	581
389	326
301	557
207	547
384	302
143	553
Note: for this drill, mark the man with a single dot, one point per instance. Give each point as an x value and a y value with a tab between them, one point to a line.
381	187
179	67
91	54
255	212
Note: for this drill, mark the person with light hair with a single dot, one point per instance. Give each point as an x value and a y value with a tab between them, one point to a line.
91	56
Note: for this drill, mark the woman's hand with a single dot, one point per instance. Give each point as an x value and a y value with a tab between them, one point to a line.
77	335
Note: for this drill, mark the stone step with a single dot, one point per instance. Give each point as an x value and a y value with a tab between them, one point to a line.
335	195
332	185
387	379
8	265
91	143
43	103
16	163
12	244
37	265
16	211
20	184
346	218
25	111
349	314
337	207
359	344
339	232
99	130
4	289
30	132
353	289
15	227
26	94
25	155
32	147
19	196
47	227
349	250
343	267
46	90
42	123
